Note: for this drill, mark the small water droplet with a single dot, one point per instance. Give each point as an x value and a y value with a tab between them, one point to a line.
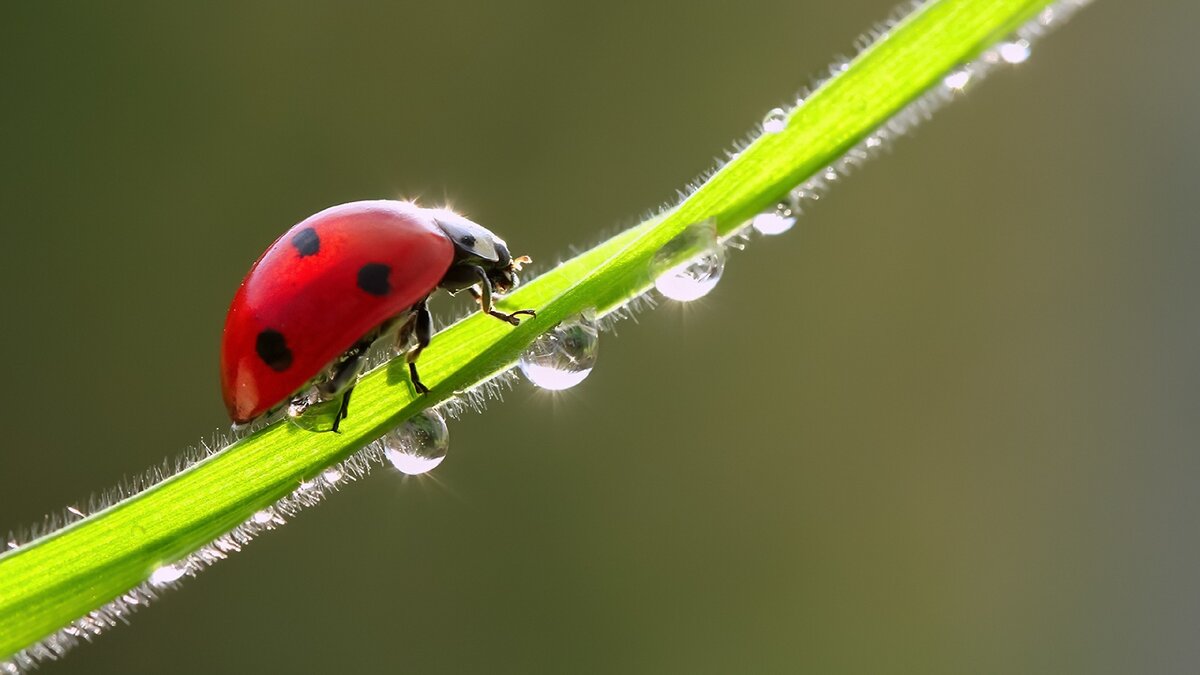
957	80
308	485
775	121
311	412
265	516
563	357
775	221
12	544
168	574
76	511
690	265
332	475
874	141
419	445
1015	52
831	173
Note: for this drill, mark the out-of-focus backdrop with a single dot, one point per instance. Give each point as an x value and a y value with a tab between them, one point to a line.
947	424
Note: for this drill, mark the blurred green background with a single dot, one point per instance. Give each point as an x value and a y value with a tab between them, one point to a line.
947	424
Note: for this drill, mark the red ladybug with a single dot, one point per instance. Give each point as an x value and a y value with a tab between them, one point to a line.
340	280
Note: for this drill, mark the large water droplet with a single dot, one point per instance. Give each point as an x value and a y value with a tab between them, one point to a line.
775	221
563	357
775	121
1015	52
418	445
690	265
168	574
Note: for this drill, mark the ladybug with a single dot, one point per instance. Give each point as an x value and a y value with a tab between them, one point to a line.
341	280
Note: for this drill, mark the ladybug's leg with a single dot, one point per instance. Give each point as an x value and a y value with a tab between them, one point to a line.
422	328
342	380
484	296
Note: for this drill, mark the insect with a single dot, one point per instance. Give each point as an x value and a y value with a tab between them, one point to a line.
339	281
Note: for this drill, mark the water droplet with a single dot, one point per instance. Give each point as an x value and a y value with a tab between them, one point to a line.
76	511
1015	52
265	516
563	357
831	173
776	221
957	80
693	279
311	412
308	485
168	574
690	265
874	141
419	445
775	121
332	475
12	544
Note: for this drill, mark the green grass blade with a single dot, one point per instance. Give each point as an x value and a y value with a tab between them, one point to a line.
58	578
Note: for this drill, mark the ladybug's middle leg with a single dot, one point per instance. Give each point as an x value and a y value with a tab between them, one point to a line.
422	329
344	375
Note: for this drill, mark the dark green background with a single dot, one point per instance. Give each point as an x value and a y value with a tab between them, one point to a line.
947	424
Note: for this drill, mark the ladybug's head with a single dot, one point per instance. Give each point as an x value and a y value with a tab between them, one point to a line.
477	246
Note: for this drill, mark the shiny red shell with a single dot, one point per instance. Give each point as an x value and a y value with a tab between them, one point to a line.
318	289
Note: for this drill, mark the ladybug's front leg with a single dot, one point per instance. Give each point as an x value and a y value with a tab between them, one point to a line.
484	297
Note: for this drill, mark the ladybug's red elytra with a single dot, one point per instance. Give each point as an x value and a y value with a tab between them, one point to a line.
342	279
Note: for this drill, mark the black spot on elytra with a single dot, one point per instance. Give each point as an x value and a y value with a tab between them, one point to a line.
307	242
373	278
273	350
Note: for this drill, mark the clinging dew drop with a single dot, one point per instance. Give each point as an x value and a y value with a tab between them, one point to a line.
563	357
690	265
1015	52
776	220
168	574
311	412
419	445
775	121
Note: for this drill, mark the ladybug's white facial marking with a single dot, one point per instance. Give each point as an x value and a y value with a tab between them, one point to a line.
373	278
307	242
273	350
468	237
